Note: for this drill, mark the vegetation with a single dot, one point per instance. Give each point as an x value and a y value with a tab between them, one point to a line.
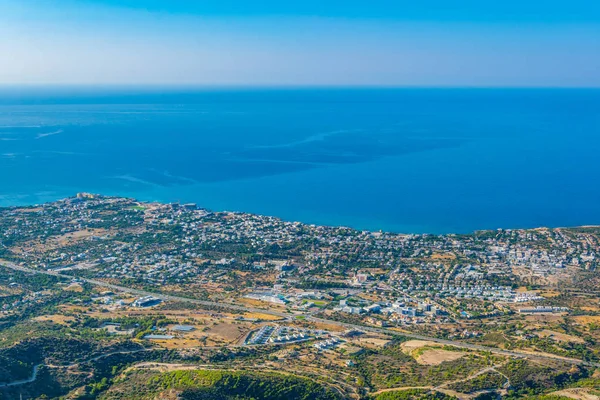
488	380
391	367
413	394
225	385
528	378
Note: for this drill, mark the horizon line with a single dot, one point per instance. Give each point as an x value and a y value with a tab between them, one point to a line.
282	86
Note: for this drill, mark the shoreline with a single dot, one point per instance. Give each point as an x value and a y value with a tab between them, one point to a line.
327	225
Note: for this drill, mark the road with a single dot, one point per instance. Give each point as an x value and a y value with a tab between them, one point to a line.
146	293
32	378
36	368
443	388
308	317
470	346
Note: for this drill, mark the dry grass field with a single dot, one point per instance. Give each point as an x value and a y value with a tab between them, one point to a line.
560	337
577	394
438	356
429	353
56	318
411	345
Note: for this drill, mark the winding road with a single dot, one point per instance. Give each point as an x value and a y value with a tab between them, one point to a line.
36	368
32	378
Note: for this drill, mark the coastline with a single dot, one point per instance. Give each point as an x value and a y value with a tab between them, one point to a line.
294	220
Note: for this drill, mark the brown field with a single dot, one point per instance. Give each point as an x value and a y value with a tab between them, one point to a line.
59	241
227	331
74	309
205	336
259	304
577	394
443	256
438	356
549	293
411	345
9	291
590	308
328	327
261	316
368	296
75	287
560	337
375	271
433	355
78	235
370	342
544	318
56	318
587	319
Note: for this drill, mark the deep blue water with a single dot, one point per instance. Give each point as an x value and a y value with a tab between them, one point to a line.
407	160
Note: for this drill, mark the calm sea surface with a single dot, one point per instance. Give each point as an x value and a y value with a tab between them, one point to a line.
406	160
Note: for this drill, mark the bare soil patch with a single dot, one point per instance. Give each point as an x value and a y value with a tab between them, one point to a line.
411	345
438	356
261	316
560	337
371	342
577	394
587	319
56	318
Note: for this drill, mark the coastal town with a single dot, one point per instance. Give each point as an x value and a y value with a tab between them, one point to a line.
202	285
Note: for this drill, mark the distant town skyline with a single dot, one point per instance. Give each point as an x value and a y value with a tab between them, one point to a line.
270	43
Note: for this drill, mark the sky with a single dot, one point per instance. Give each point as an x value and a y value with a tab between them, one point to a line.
432	43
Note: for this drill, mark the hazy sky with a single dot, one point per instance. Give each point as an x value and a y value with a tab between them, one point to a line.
308	42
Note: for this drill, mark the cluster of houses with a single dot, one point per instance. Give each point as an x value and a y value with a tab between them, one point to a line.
30	298
328	344
262	335
396	311
282	334
527	297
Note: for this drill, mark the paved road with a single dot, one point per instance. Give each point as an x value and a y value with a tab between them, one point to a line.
511	353
32	378
146	293
36	368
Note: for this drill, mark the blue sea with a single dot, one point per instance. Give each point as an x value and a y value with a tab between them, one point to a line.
404	160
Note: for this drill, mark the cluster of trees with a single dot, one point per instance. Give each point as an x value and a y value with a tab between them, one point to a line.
488	380
321	285
413	394
390	367
32	282
531	379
